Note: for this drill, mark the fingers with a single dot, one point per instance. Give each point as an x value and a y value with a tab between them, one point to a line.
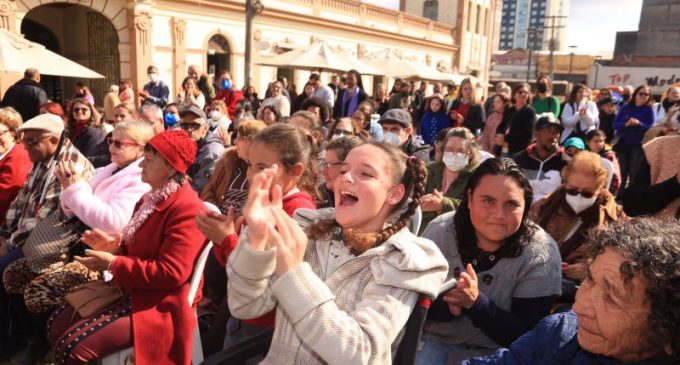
277	196
471	271
230	214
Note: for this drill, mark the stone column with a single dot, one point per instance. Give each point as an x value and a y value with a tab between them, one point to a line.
179	62
8	17
139	24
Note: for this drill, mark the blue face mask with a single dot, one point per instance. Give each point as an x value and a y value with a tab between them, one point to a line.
225	84
170	120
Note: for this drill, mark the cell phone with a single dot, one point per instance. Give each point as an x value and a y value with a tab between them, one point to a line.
448	286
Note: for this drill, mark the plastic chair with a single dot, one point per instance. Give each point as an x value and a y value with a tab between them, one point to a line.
416	221
609	166
408	347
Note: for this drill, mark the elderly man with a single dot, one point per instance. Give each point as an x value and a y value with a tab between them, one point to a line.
153	115
398	131
210	147
202	82
26	95
38	198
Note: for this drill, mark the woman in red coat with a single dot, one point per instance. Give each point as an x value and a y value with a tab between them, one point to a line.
152	263
14	162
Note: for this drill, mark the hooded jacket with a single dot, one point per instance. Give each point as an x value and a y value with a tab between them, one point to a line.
544	175
210	149
353	315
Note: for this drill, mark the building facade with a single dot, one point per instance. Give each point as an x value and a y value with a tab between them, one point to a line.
120	38
474	24
533	23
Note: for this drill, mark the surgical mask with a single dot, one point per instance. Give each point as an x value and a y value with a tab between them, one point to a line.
455	161
225	84
215	115
153	77
392	138
578	203
542	88
170	120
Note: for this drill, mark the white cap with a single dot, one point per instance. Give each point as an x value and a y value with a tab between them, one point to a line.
46	122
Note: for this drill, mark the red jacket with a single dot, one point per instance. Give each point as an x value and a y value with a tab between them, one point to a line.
156	269
290	203
14	169
230	97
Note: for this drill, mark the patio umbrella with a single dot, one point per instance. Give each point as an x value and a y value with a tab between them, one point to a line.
319	56
17	54
392	65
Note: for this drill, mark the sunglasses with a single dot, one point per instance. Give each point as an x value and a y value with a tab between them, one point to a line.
190	126
643	94
120	144
585	194
30	143
81	110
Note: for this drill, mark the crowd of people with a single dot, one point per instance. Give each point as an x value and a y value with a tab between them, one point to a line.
553	223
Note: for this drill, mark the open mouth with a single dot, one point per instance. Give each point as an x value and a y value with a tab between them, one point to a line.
348	199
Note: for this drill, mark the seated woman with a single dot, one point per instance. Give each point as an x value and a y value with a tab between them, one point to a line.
570	214
508	268
336	152
151	263
14	162
345	283
84	127
104	203
625	310
446	179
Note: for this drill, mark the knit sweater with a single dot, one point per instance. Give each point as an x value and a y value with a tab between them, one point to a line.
632	136
353	315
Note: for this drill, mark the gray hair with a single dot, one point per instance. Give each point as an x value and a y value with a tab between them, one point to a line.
650	248
157	112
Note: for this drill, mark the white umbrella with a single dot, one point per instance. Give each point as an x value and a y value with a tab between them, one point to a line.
319	56
17	54
392	65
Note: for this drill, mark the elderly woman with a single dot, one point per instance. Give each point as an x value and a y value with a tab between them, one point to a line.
625	310
570	213
14	162
151	263
105	203
84	127
446	179
507	268
277	100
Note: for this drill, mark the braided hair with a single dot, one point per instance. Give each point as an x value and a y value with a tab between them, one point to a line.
409	171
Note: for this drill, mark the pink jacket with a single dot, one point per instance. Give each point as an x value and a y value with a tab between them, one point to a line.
108	200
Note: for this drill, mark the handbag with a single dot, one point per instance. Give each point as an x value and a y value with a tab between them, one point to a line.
50	240
92	297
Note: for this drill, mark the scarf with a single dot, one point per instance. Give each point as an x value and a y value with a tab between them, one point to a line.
348	110
149	202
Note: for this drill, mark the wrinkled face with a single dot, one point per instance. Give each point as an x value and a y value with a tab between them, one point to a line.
155	170
435	105
548	137
123	149
331	168
196	128
364	191
6	139
582	181
147	115
81	112
193	72
596	144
496	207
40	146
121	114
612	313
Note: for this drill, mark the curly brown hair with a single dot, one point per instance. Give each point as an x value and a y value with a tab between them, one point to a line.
409	171
650	248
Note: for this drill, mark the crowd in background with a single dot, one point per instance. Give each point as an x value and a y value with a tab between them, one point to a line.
528	202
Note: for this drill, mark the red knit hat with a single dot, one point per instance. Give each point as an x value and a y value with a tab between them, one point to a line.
176	147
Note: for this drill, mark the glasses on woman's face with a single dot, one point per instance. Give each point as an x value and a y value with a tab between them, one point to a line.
81	110
584	193
120	144
342	132
643	94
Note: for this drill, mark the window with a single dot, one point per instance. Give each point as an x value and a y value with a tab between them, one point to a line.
512	21
542	12
512	13
480	22
469	18
431	9
505	6
534	12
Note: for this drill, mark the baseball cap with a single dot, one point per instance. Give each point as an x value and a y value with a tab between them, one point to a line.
193	109
546	120
575	142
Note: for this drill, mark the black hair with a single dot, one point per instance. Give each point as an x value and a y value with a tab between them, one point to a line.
324	108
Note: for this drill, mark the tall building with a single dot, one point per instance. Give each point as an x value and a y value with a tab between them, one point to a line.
533	23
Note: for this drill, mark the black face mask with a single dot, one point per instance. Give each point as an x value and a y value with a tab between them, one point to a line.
542	88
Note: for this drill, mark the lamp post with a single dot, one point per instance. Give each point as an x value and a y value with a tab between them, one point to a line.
571	61
253	7
530	46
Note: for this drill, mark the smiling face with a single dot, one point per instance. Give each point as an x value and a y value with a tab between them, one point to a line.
6	138
612	313
262	156
547	138
496	208
81	112
365	194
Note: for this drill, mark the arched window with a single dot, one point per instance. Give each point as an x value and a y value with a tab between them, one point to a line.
431	9
219	55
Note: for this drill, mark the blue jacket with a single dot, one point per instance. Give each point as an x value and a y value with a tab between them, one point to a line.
632	136
430	125
552	342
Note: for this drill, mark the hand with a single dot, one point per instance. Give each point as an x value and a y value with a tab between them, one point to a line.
257	211
582	112
432	202
144	94
575	271
101	241
466	292
632	122
499	140
67	173
289	238
224	135
216	227
96	260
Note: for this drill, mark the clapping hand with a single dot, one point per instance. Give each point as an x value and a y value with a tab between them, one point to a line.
465	294
215	226
68	173
290	240
96	260
632	122
432	202
100	241
262	196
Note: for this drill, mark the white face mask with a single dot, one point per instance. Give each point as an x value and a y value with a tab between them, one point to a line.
392	138
153	77
215	115
336	136
578	203
455	161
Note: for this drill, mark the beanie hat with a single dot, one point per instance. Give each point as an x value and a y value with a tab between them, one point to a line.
176	147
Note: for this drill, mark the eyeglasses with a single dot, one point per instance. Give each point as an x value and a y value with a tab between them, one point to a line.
585	194
30	143
81	110
328	165
5	131
643	94
190	126
341	132
120	144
